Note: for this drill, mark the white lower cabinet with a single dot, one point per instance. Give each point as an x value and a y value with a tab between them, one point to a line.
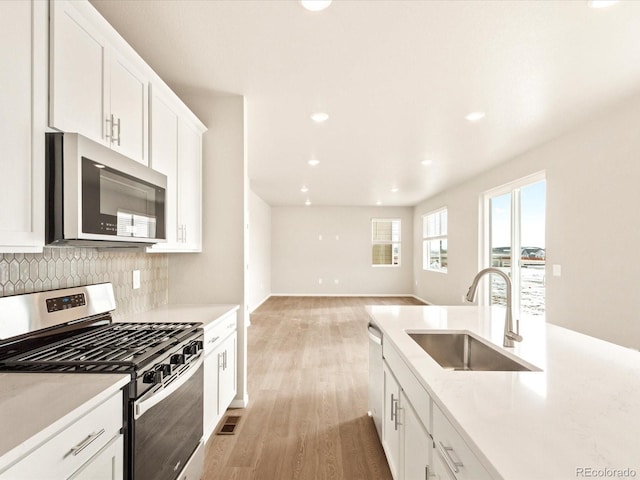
417	449
418	439
106	465
220	372
457	459
390	423
226	355
405	439
90	447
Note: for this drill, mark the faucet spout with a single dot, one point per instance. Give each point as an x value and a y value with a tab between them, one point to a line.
509	335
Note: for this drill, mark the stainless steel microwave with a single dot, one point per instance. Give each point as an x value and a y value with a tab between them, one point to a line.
97	197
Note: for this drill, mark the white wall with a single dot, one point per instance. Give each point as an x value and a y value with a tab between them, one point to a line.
299	258
593	227
217	274
259	288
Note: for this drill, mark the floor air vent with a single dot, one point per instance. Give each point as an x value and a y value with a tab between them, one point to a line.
229	425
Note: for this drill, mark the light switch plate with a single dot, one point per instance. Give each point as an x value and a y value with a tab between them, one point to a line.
557	270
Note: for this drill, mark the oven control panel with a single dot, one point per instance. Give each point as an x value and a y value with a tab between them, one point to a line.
63	303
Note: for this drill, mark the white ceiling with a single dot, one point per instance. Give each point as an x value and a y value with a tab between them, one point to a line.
396	77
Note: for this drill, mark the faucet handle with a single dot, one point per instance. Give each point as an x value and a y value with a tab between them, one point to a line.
514	336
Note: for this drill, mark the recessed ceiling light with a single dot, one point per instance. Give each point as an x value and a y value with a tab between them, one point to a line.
307	203
426	162
315	5
394	189
601	3
304	189
475	116
378	203
319	117
313	162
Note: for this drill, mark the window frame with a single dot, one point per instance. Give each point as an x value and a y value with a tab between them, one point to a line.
427	239
387	242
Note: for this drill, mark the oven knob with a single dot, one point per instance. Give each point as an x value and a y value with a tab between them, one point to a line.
199	345
190	349
153	377
177	359
166	369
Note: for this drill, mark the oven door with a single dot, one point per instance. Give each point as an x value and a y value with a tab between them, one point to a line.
167	426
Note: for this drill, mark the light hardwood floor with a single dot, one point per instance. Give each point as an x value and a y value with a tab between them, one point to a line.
307	380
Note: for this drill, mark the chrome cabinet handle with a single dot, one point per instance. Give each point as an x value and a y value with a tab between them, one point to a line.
212	340
185	233
397	421
393	405
451	463
110	123
86	442
220	361
118	125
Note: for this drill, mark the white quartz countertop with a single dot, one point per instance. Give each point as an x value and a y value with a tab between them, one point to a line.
207	314
35	406
581	411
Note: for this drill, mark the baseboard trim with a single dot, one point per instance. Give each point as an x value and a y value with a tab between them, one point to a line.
343	295
240	402
426	302
259	304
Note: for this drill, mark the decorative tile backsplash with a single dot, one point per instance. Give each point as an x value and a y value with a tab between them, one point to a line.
62	267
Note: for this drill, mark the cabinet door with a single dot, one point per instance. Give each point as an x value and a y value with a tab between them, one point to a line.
439	470
128	95
417	443
227	373
108	464
77	78
23	97
164	159
210	394
190	187
391	422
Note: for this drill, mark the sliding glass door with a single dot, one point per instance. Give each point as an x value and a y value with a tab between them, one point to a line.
514	239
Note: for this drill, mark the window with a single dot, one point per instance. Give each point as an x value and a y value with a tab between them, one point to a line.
434	241
385	239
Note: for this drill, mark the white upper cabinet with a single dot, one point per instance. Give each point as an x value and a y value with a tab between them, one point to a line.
128	109
190	186
94	89
176	151
23	101
164	159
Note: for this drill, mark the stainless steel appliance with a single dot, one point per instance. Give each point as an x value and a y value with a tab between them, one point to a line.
376	377
72	331
97	197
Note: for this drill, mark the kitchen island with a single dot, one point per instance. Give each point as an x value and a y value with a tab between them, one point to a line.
578	416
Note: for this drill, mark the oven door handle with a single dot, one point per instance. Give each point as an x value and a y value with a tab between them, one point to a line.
140	408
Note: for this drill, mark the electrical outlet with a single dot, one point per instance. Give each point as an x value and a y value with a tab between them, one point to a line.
319	281
463	299
136	279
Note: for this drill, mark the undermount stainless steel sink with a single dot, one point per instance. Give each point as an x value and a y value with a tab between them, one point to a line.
462	351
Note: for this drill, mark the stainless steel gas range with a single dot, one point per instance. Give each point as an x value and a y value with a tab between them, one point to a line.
72	331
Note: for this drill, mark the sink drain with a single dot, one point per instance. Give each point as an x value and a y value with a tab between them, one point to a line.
229	425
